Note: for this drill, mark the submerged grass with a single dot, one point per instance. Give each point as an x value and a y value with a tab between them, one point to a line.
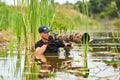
35	69
116	39
11	46
27	66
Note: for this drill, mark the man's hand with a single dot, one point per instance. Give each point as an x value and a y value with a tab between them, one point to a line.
70	45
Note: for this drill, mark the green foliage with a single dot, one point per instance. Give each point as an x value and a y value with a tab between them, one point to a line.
32	15
110	11
34	70
37	14
61	24
3	53
17	22
104	8
4	21
117	23
118	7
97	6
11	47
118	4
27	16
83	7
67	20
47	9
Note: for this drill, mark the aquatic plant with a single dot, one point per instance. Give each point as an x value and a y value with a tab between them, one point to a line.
85	39
4	16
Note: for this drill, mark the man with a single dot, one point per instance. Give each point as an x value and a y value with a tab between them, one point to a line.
44	46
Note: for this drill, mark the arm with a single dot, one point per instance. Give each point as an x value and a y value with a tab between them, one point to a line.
40	51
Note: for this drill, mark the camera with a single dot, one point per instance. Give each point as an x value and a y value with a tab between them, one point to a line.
52	37
55	41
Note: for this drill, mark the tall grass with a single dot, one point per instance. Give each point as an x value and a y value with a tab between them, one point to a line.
17	26
35	69
47	13
34	14
115	39
11	46
33	18
27	66
4	19
17	20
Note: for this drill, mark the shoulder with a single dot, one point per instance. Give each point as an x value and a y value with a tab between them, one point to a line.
38	44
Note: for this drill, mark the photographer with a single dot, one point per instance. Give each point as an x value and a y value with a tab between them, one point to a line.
47	45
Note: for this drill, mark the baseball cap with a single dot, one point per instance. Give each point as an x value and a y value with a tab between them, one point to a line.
43	29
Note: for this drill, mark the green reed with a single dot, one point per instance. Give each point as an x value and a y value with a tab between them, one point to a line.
115	38
118	39
18	23
11	46
34	14
27	65
4	16
3	53
35	69
47	13
17	67
85	11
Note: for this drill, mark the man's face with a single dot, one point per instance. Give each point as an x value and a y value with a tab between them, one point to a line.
45	35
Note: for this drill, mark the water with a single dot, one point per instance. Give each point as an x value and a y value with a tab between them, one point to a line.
100	70
11	67
103	62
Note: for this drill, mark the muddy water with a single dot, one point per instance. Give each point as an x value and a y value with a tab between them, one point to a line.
103	61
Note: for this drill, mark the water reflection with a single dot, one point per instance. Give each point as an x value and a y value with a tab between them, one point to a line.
101	70
11	68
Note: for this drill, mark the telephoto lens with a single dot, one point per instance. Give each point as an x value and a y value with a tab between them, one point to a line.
76	37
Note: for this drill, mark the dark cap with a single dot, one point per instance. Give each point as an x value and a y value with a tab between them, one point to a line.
43	29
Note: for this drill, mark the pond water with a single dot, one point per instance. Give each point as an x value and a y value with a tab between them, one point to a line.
103	61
